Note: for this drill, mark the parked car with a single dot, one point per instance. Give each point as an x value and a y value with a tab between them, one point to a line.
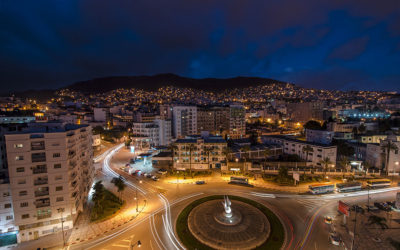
334	238
155	178
162	171
372	208
149	175
200	182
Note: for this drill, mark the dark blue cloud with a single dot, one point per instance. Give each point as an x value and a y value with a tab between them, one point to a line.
321	44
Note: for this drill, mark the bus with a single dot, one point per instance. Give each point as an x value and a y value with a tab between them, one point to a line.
322	188
240	180
348	186
378	183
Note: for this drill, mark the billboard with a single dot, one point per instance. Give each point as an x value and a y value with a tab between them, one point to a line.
344	208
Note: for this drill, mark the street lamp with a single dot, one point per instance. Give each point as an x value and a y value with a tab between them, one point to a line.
138	244
61	210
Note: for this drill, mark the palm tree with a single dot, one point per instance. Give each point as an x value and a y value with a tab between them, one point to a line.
119	184
173	148
307	149
344	162
191	148
208	150
389	146
379	221
267	152
98	195
325	162
245	149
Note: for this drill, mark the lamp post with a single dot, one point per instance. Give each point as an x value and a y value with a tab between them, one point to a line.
61	210
138	244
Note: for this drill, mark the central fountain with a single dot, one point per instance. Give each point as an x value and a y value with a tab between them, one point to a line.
227	206
234	225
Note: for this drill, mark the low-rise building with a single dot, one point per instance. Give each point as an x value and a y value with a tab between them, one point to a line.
199	153
293	146
319	136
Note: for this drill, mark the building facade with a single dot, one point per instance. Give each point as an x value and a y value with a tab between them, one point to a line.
199	153
237	121
294	146
184	121
51	172
319	136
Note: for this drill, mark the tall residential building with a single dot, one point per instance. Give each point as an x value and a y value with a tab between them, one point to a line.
156	133
165	112
237	121
184	121
101	114
214	120
51	172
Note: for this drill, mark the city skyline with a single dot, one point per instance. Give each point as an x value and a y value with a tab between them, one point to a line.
337	45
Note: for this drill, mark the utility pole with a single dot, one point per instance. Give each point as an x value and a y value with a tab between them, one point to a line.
60	210
354	231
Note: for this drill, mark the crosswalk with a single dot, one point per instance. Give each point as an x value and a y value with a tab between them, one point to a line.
121	244
309	204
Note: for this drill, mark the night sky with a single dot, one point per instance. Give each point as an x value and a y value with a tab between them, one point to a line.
349	44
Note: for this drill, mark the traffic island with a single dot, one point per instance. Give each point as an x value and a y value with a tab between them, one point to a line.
203	224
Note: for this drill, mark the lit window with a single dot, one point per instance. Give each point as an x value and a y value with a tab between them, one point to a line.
19	158
19	145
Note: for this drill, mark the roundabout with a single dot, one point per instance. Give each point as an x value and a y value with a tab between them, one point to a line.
218	222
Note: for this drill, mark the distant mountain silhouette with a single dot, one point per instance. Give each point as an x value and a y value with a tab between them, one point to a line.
105	84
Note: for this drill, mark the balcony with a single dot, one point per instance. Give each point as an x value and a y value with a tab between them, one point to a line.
72	164
37	145
42	203
44	216
40	181
38	157
39	169
73	184
42	192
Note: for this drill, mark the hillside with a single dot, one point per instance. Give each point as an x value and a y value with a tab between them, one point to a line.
105	84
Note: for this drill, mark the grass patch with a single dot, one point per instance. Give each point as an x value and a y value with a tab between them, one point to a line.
274	241
108	207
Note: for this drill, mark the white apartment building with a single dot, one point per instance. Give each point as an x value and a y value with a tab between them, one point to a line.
374	138
376	155
319	136
184	121
101	114
199	153
237	121
51	172
157	133
7	224
294	146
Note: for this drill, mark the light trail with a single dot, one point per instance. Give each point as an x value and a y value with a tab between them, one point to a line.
153	230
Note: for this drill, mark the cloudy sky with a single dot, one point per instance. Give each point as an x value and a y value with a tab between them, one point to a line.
329	44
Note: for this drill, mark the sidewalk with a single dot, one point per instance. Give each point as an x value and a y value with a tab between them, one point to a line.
85	230
365	233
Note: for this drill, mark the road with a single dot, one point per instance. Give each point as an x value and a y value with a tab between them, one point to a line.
301	215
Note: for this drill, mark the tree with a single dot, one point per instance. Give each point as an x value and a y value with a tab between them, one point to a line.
191	148
97	130
98	197
208	150
378	221
307	149
245	149
389	146
344	163
313	125
119	184
325	163
362	129
267	152
173	149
